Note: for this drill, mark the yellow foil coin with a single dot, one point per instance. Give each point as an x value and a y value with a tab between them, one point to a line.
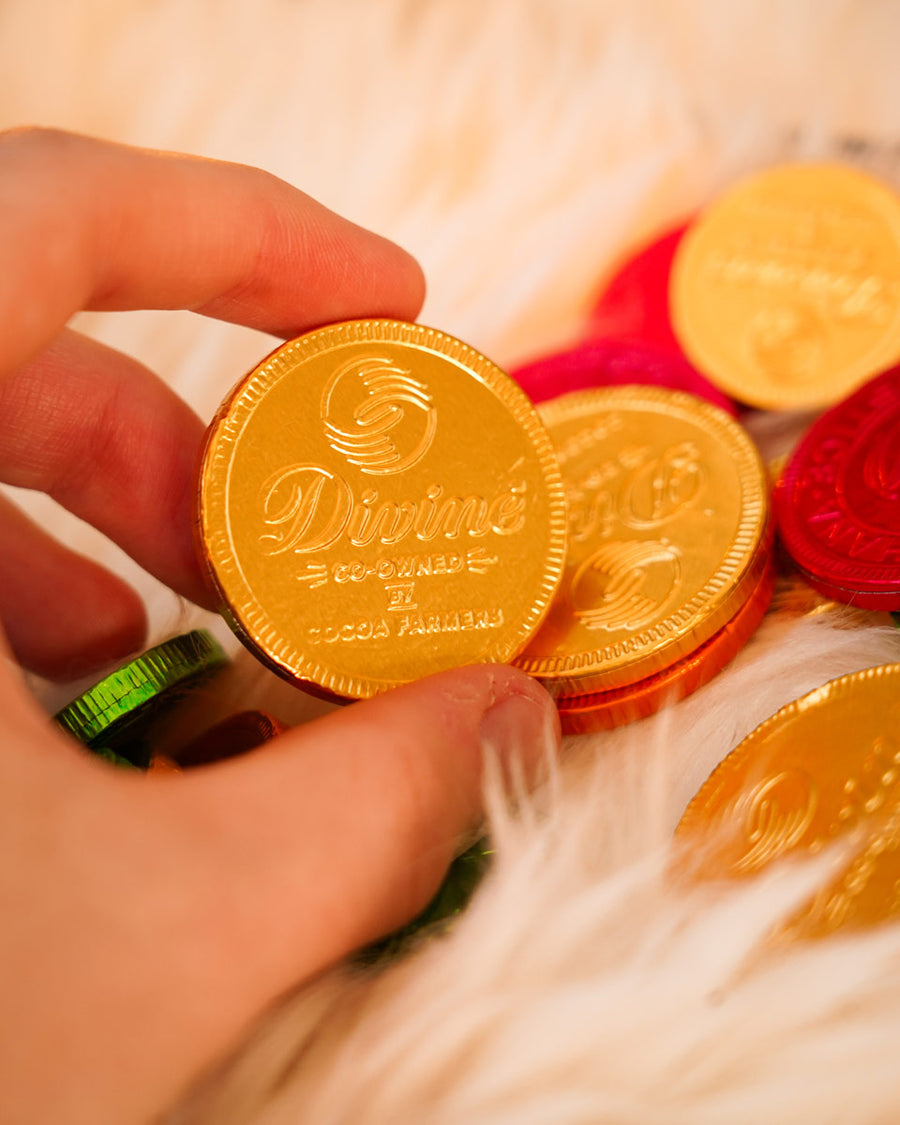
786	291
668	534
823	767
377	502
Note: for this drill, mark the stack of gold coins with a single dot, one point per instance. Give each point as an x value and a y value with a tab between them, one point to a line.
669	568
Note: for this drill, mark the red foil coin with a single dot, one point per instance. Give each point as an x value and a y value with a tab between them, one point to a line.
605	363
636	301
838	501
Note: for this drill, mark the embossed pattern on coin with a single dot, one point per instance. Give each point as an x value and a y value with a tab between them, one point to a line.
824	766
377	502
838	501
668	522
786	292
607	709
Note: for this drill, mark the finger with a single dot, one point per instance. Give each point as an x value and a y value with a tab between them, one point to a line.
89	224
340	831
64	615
184	905
112	443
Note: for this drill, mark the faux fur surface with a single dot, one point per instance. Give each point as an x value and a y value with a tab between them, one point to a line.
520	148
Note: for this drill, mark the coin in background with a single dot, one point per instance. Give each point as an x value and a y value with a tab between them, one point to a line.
236	735
635	301
607	709
837	503
821	768
786	291
607	363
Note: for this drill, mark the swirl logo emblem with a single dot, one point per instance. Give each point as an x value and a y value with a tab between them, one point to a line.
625	585
377	415
776	814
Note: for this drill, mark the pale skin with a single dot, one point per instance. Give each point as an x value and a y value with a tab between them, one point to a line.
147	921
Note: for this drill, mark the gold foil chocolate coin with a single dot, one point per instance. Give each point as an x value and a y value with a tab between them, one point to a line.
668	534
607	709
377	502
786	292
824	766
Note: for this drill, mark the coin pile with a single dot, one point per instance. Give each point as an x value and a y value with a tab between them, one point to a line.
669	567
378	501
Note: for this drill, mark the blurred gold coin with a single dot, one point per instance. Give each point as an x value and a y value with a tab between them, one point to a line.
786	292
668	534
824	766
377	502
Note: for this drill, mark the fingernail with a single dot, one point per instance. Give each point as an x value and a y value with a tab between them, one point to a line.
521	728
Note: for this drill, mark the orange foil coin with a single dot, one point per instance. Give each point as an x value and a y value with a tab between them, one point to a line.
236	735
668	535
607	709
377	502
825	767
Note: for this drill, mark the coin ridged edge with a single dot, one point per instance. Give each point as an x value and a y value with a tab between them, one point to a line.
709	791
159	669
795	532
579	713
580	672
222	435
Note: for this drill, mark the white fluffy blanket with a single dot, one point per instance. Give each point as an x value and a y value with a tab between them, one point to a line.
519	148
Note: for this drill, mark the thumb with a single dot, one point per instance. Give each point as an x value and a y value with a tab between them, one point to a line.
184	905
340	831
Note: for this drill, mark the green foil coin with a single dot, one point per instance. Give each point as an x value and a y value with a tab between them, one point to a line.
114	713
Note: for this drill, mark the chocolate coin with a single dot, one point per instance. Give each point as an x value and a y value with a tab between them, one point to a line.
786	291
377	502
607	709
635	302
821	768
668	534
837	503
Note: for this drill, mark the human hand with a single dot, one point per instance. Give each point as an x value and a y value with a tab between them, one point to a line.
148	920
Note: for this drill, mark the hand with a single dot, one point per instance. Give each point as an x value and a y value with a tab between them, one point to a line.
148	920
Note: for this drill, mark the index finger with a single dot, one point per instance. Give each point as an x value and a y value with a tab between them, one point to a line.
87	224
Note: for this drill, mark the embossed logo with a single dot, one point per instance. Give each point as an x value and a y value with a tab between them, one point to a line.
625	585
307	508
377	415
868	489
662	487
881	468
776	814
787	341
304	508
